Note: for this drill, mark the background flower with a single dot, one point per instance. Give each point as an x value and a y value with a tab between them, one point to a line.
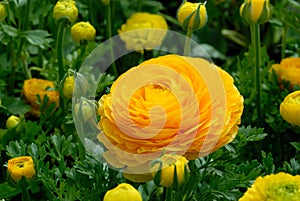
290	108
124	192
21	166
65	8
83	31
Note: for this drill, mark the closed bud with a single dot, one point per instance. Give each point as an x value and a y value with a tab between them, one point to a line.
192	15
68	86
290	108
124	192
12	121
83	31
65	9
105	2
255	11
2	12
85	109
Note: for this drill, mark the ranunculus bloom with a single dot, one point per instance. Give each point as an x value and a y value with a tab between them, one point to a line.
21	167
124	192
290	108
83	31
65	8
166	164
172	103
192	15
275	187
255	11
288	70
34	87
143	31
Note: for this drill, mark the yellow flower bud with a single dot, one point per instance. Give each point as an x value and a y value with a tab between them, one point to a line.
124	192
21	166
65	8
166	165
290	108
105	2
192	15
68	87
2	12
85	109
83	31
12	121
255	11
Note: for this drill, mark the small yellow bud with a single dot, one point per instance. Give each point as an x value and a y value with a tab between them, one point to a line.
83	31
12	121
124	192
290	108
255	11
68	87
192	15
21	167
2	12
105	2
65	8
85	109
167	165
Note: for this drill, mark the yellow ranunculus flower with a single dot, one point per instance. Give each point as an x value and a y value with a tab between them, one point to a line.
288	70
192	15
275	187
166	164
19	167
12	121
68	86
2	12
65	8
255	11
83	31
143	116
290	108
33	87
124	192
143	31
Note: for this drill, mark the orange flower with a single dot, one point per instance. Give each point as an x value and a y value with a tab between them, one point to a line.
171	104
288	70
19	167
34	87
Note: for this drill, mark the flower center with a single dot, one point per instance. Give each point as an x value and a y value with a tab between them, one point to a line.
20	164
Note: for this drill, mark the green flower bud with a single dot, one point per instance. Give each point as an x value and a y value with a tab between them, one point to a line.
255	11
2	12
85	109
12	121
65	8
192	15
83	31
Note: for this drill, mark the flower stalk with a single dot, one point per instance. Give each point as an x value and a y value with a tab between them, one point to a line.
187	44
24	189
59	46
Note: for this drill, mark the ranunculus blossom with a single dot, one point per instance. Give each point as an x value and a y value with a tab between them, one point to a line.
255	11
275	187
288	70
171	104
39	87
83	31
143	31
65	8
290	108
19	167
124	192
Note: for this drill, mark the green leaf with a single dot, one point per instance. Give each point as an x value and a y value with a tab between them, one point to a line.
7	191
296	145
36	37
15	105
9	30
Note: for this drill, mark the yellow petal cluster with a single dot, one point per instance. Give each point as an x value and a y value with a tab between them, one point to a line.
39	87
83	31
192	15
166	165
255	11
290	108
19	167
143	31
137	120
12	121
124	192
288	70
274	187
65	8
2	12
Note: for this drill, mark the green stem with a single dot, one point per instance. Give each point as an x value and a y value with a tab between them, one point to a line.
59	47
256	53
283	42
25	194
109	29
187	44
13	69
79	59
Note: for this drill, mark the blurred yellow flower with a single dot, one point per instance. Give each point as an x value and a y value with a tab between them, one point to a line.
290	108
255	11
124	192
192	15
65	8
166	164
105	2
68	86
12	121
83	31
38	87
142	116
2	12
275	187
143	31
288	70
21	166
